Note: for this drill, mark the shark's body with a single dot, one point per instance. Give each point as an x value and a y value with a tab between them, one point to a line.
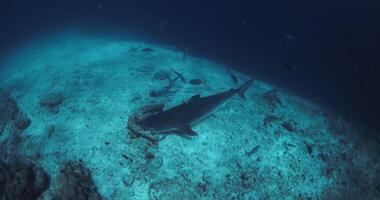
179	118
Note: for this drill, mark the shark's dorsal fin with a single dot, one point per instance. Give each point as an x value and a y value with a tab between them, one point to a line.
186	130
195	97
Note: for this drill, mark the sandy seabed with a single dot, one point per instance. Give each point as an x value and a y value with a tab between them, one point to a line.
274	145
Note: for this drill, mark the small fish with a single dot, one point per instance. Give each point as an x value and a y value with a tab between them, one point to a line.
354	56
353	53
291	67
147	16
252	151
147	50
195	81
162	25
289	37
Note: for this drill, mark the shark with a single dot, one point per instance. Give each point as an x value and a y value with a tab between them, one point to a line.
180	118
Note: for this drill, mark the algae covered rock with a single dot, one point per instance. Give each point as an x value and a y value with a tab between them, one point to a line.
75	182
8	108
11	114
22	181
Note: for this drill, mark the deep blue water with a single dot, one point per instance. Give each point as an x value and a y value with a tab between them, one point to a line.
333	45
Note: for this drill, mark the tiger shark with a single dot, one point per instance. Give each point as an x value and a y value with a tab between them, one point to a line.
179	119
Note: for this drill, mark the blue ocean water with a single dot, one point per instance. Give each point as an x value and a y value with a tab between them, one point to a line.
189	99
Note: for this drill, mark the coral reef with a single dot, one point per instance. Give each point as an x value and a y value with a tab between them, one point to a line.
22	181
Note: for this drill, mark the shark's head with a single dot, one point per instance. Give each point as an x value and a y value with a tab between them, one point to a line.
149	123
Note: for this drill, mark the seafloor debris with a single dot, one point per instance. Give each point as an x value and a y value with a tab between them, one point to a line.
179	75
289	125
309	149
272	99
164	90
52	101
270	119
144	69
196	81
75	182
254	150
136	130
19	180
174	188
50	130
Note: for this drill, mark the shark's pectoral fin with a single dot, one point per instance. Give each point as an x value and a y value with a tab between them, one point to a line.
186	130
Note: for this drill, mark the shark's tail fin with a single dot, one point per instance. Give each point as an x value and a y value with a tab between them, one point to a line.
241	90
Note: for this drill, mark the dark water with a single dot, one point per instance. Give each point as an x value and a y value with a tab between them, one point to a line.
331	48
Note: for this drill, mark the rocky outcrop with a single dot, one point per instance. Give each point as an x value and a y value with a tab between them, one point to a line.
75	182
10	114
21	181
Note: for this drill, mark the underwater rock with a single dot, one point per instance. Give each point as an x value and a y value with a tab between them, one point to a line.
161	75
10	113
23	122
22	181
75	182
52	101
196	81
8	108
